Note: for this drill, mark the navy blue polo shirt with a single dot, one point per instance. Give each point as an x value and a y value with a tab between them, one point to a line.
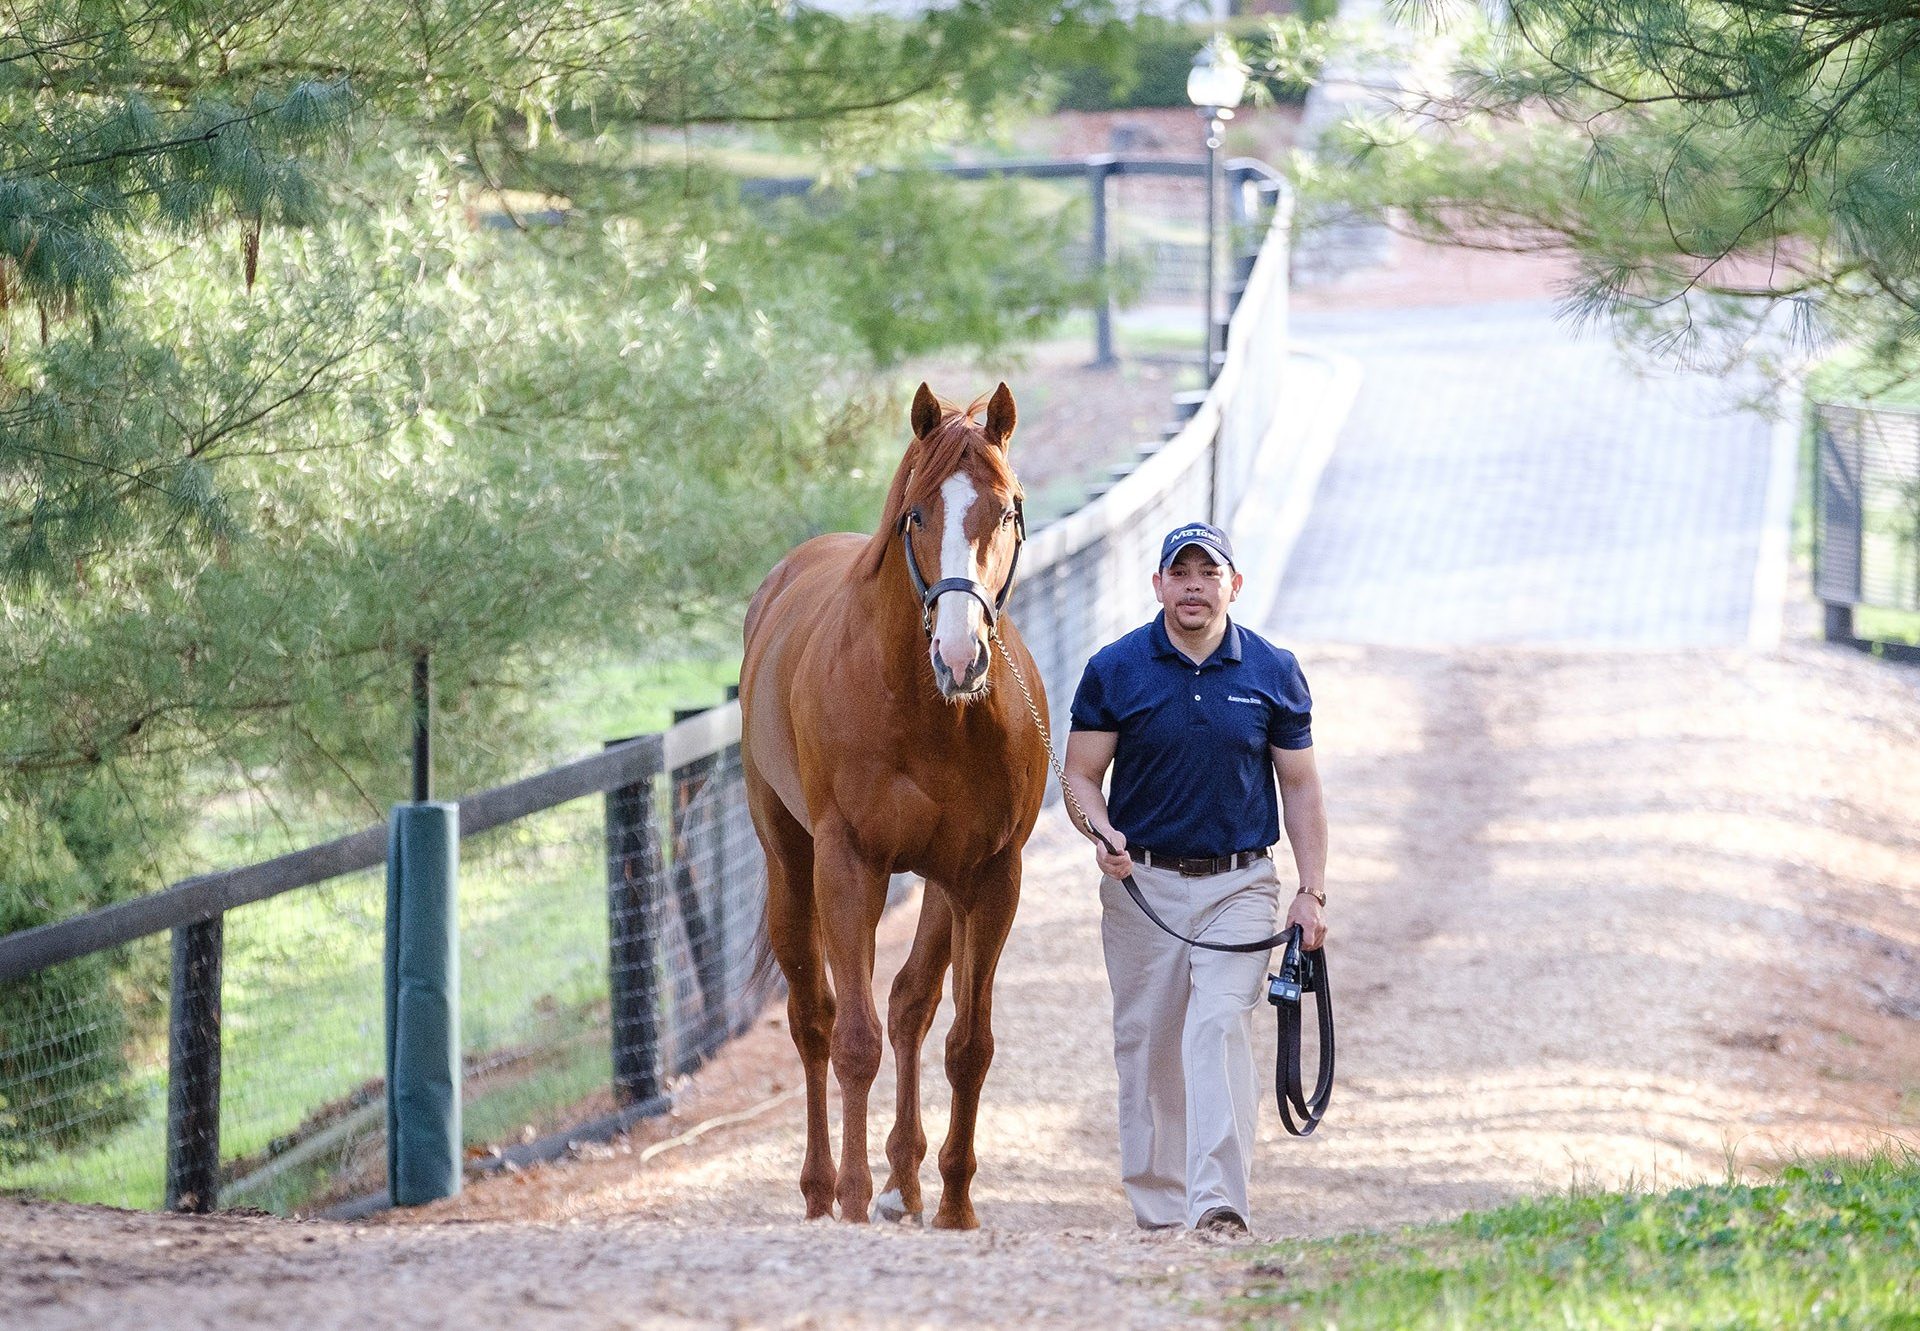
1192	774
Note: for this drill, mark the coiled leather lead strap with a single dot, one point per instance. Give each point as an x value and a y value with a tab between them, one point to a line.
1301	972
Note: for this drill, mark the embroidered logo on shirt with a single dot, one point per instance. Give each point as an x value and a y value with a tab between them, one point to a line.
1234	697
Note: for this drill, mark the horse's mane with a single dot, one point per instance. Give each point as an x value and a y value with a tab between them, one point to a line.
927	465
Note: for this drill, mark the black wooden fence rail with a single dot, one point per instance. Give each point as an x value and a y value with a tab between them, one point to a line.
209	896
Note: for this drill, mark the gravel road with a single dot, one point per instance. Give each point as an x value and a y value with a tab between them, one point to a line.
1628	918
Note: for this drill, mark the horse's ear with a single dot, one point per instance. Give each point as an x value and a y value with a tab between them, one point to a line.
926	412
1001	416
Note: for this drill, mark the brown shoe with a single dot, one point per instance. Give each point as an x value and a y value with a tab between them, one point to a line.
1222	1222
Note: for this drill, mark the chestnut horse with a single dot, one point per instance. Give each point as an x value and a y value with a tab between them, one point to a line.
881	733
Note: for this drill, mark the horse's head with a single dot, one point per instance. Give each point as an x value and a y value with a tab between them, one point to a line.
955	504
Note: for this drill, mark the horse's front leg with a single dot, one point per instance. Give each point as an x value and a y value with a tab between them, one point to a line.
910	1009
849	895
979	935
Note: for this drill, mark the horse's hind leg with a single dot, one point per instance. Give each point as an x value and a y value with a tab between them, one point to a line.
910	1009
796	946
979	935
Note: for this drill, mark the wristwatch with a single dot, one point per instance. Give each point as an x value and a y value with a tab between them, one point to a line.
1320	896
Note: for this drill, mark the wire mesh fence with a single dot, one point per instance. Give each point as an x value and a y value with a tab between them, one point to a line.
1867	506
301	1019
296	1010
223	1042
714	911
83	1079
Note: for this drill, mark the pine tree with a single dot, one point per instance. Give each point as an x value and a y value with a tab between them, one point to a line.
1706	161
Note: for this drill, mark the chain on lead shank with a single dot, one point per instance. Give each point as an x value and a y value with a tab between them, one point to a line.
1046	738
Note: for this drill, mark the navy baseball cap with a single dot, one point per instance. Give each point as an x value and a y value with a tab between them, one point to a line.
1203	534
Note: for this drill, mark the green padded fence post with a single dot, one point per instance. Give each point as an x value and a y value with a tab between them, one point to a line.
423	1004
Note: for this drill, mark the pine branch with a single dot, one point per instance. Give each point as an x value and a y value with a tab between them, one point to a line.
40	50
131	153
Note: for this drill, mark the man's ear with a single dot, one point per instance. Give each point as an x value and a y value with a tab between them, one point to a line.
926	412
1001	416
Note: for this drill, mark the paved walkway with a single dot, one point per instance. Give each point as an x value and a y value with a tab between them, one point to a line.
1501	480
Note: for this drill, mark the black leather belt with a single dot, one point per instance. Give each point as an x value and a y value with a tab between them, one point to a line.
1197	866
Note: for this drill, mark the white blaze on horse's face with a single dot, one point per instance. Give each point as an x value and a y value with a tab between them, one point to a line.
960	623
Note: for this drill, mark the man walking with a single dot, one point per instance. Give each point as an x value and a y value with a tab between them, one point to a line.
1196	716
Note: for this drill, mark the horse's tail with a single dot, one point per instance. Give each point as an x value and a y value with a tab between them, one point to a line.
763	972
764	978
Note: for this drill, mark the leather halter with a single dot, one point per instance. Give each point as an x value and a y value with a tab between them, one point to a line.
928	594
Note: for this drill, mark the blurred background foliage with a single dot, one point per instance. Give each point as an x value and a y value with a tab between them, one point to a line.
1153	65
330	336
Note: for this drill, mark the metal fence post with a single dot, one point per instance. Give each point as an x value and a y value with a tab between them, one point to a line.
1099	171
422	727
1244	252
633	928
193	1067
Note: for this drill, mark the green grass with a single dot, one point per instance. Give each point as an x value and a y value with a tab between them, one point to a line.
1078	327
1830	1243
568	1072
1874	624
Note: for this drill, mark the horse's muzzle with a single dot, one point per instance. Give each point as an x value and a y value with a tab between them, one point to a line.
968	685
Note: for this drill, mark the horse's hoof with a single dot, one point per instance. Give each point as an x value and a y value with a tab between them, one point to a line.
891	1207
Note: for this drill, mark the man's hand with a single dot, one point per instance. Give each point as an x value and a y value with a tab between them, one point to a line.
1118	864
1307	912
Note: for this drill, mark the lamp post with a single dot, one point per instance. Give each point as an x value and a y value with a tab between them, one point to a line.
1214	85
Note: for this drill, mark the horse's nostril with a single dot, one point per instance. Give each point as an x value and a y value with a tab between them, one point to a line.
954	655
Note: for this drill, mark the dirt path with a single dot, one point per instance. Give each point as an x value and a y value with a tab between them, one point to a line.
1601	918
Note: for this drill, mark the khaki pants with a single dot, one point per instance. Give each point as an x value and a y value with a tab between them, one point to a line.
1183	1036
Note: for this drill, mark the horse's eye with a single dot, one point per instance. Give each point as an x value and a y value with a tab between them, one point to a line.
1006	518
